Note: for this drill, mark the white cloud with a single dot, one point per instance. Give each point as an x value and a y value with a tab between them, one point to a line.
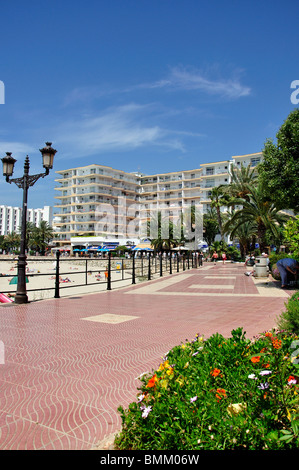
117	128
18	149
182	79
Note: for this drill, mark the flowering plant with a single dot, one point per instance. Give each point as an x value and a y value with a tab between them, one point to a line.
218	393
289	319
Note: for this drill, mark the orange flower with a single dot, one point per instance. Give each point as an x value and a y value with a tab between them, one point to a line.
152	382
215	372
268	334
221	393
276	343
255	359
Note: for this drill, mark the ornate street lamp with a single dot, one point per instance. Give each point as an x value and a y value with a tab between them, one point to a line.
24	183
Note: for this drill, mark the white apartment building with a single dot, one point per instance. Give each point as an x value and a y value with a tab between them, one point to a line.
11	218
169	193
84	190
104	205
218	173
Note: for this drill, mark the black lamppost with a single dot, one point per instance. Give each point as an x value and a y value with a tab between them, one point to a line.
24	183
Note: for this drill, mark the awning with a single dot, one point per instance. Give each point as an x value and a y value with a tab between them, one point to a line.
143	246
137	248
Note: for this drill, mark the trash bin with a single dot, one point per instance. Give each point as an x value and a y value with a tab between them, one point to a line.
261	267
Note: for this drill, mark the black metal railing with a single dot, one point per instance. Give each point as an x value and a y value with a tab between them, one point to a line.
141	267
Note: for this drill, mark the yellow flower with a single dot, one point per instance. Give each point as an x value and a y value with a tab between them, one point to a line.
180	380
163	383
236	408
164	365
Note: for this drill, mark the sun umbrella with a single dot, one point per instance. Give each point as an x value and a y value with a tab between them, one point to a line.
14	280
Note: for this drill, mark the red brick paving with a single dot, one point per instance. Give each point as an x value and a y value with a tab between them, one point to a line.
64	378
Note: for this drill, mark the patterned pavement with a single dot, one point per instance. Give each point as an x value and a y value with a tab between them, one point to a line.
69	363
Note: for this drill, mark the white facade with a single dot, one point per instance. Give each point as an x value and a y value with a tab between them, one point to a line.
131	198
84	190
217	173
11	218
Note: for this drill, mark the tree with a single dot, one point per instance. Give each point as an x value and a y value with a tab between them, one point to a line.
30	230
166	235
38	237
11	241
260	212
210	226
291	234
220	198
279	170
245	233
241	179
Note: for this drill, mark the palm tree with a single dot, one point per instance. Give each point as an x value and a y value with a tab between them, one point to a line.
261	213
165	231
244	233
210	226
42	235
218	246
30	229
241	180
219	198
12	241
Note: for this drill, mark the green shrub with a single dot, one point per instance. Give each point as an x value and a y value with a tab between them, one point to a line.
289	319
274	257
217	394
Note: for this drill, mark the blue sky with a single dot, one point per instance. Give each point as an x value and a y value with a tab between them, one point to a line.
154	86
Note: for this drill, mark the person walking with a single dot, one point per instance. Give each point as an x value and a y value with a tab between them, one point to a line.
214	257
284	266
223	257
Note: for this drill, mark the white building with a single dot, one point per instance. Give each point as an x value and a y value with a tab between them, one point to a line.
11	218
218	173
99	204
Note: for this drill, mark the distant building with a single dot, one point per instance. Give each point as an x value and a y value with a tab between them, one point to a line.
11	218
217	173
97	203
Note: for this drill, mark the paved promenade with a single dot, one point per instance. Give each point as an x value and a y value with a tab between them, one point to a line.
69	363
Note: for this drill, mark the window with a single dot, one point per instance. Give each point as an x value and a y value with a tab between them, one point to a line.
210	183
255	161
209	171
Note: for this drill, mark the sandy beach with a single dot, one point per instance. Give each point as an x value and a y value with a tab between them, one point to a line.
77	275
